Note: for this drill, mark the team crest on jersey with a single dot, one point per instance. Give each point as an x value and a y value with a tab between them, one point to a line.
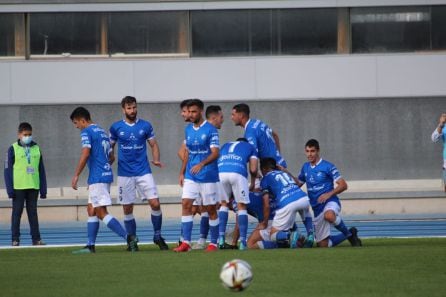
107	166
203	136
141	132
319	174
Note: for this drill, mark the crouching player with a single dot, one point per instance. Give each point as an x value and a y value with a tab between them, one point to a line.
280	194
320	175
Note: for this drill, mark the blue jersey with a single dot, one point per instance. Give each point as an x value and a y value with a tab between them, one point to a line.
131	140
261	137
199	142
234	156
281	188
255	206
319	180
96	139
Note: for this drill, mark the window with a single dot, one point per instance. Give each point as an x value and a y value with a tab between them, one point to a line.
148	32
12	34
66	33
438	27
390	29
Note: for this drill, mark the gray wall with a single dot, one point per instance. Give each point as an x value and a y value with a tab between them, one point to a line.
367	139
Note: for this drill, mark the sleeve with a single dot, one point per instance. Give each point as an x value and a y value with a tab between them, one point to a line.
301	176
85	140
42	175
8	173
113	134
214	140
254	153
252	139
150	132
264	186
333	172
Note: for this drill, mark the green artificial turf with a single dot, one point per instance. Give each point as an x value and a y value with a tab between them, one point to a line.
383	267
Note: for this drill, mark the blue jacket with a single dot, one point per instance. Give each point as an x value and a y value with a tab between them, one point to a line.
8	173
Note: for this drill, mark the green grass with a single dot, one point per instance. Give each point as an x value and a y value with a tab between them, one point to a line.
383	267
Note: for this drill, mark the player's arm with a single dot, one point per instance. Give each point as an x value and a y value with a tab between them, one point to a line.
182	151
436	135
85	154
183	166
253	164
266	211
341	186
111	156
296	180
215	153
155	152
276	140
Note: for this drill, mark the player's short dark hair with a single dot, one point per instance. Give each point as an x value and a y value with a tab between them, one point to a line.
242	139
127	100
195	102
184	103
212	109
268	163
312	143
243	108
24	126
80	113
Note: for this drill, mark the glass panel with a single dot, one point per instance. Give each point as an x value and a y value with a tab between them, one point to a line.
390	29
12	34
308	31
148	32
73	33
438	27
264	32
220	33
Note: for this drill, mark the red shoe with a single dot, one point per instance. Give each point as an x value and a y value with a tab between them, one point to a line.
211	248
184	247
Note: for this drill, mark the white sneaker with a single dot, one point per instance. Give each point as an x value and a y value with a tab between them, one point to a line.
199	245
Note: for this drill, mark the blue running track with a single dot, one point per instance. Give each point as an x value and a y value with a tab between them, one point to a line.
74	233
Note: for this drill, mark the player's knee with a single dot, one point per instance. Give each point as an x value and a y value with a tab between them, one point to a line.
155	204
323	243
330	216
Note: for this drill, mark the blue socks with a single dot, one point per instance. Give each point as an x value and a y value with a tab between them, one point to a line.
223	217
204	225
157	220
242	216
114	225
308	223
339	225
267	245
92	230
130	224
186	228
334	240
213	228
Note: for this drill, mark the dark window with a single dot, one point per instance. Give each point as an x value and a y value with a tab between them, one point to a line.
220	33
12	38
390	29
57	33
148	32
438	27
308	31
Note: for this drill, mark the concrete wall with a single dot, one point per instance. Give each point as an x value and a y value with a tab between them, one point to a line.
107	80
370	139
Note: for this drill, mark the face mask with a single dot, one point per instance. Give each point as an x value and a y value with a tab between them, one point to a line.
26	139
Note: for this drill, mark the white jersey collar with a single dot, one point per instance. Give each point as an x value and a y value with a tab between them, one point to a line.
131	125
319	162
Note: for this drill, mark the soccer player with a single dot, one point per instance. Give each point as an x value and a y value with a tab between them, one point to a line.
199	174
214	116
440	133
320	175
233	174
131	134
262	137
267	144
24	178
282	195
96	152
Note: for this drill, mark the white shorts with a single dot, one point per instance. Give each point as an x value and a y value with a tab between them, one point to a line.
286	216
321	226
236	185
202	193
99	194
128	186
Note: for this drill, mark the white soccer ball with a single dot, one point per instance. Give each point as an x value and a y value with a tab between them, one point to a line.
236	275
